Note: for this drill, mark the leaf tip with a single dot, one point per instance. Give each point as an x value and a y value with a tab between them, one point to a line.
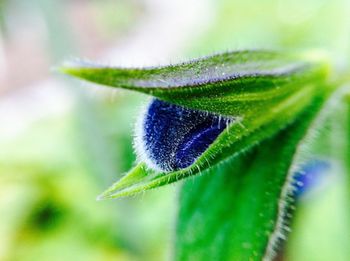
108	194
69	68
76	68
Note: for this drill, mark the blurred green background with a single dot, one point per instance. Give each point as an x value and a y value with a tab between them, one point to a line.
63	142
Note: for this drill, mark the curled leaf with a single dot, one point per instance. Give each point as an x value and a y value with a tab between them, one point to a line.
256	93
231	83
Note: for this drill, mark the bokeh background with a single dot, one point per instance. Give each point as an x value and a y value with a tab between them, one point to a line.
62	142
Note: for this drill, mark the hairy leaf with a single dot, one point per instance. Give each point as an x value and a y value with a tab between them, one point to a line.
237	211
231	142
234	83
237	138
261	91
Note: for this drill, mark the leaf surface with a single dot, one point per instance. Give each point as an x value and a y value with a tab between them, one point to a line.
236	139
233	83
262	91
237	210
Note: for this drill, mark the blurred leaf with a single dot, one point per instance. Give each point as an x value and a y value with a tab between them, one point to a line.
347	168
347	101
323	210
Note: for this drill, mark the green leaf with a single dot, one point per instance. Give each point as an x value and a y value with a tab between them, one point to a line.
347	162
324	208
237	210
236	139
347	101
264	92
235	83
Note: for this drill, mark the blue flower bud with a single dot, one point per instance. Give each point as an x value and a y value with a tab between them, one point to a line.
309	175
171	137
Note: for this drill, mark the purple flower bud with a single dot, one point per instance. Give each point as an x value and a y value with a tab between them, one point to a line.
173	137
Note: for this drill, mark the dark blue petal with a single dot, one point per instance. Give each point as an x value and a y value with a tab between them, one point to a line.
174	137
